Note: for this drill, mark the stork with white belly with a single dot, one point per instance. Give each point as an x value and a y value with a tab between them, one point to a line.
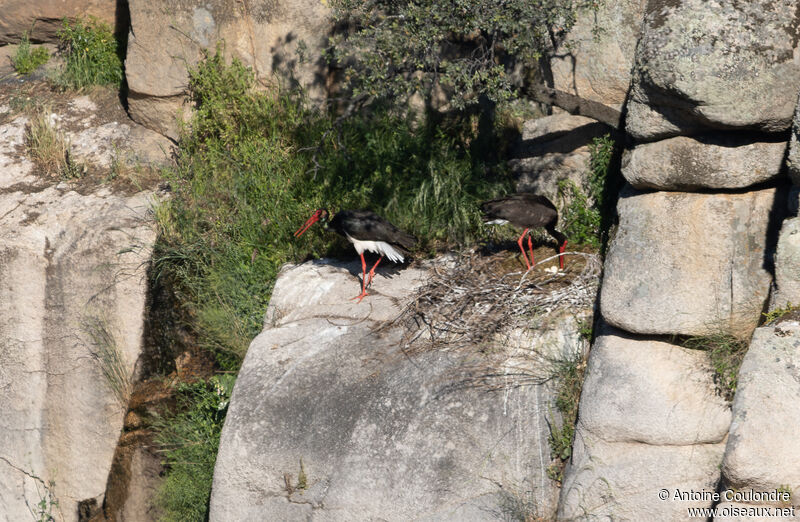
368	232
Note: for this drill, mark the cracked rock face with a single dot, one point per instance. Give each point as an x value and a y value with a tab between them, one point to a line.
72	282
595	63
690	264
649	419
721	65
73	285
382	434
762	451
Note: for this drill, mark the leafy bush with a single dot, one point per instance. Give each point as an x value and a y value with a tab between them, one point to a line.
92	53
25	60
472	49
189	441
586	213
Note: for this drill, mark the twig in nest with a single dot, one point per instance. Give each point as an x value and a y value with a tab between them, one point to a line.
470	302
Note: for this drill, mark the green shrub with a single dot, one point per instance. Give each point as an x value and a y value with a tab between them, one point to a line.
25	60
586	211
92	54
189	440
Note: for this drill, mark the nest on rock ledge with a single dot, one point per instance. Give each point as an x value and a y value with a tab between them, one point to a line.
471	298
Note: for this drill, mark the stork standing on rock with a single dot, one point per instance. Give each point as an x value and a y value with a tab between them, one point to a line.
369	232
525	210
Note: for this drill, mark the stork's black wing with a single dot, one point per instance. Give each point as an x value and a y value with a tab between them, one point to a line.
365	225
522	209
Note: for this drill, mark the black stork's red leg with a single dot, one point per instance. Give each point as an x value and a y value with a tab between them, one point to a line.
561	254
522	248
530	247
363	280
372	270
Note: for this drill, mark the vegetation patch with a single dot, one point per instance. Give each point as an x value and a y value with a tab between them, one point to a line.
93	55
189	441
586	212
27	58
49	148
788	312
110	358
47	509
725	352
569	377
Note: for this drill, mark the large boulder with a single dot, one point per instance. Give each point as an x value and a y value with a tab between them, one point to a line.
281	41
554	148
793	158
596	58
718	65
691	264
787	265
43	19
379	432
648	420
762	452
72	300
707	162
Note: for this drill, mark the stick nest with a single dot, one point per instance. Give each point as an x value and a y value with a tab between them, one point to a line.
470	299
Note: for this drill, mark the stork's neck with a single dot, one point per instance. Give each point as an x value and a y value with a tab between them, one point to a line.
561	238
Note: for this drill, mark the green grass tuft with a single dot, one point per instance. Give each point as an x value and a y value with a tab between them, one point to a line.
92	54
726	353
569	376
110	358
26	60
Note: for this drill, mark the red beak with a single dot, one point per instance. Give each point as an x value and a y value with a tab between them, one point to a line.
561	258
313	219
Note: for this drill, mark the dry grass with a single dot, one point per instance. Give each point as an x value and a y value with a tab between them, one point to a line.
110	358
48	147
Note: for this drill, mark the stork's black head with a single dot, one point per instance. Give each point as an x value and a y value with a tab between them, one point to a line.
321	215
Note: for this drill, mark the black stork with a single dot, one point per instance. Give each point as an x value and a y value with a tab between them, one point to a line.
525	210
367	231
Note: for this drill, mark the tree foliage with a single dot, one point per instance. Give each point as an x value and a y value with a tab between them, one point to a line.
392	49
